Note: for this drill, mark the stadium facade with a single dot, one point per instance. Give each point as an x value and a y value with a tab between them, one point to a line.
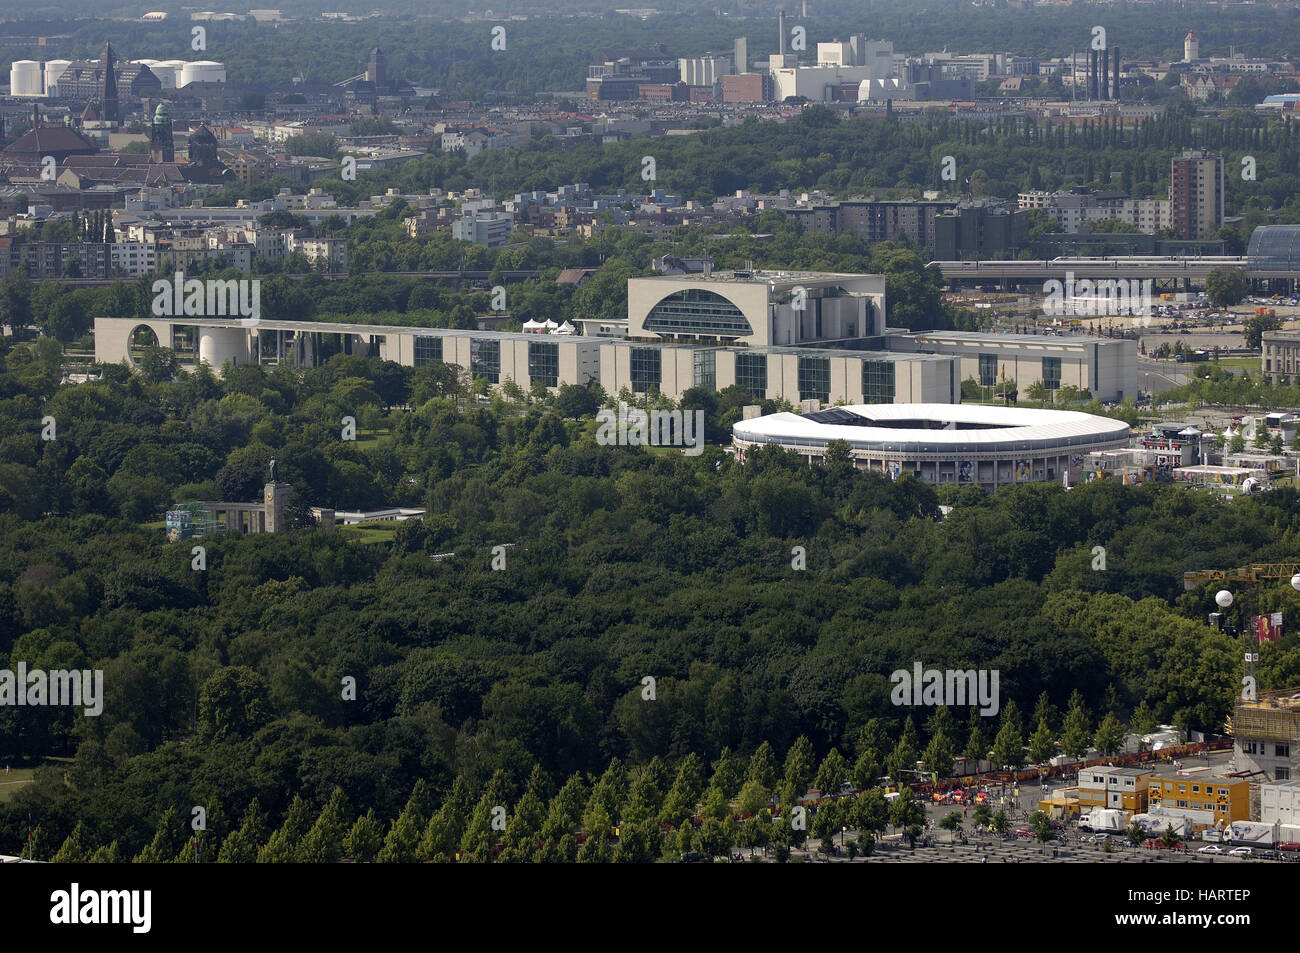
944	443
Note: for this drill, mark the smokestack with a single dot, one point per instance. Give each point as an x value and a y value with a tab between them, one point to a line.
1114	86
1105	74
780	26
1092	75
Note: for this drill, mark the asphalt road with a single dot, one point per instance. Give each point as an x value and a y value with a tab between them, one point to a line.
1156	377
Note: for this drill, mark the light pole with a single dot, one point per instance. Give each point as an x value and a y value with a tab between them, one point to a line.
1223	599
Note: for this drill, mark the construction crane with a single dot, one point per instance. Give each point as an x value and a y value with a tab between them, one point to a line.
1255	573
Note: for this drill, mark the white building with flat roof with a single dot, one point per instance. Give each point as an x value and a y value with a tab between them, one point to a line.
826	375
1279	802
526	359
1105	367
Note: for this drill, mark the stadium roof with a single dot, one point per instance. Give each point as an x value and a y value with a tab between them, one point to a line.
935	428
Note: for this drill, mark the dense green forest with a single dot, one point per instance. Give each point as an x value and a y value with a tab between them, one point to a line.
523	687
550	51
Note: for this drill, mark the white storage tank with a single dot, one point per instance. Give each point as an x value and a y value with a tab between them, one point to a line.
25	78
53	70
201	71
168	72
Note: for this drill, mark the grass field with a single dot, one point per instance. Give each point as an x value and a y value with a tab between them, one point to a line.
368	533
1240	364
10	784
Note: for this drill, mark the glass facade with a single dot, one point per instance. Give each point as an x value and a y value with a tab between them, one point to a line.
988	370
694	312
877	382
815	378
706	369
543	363
427	349
647	369
751	374
1052	373
1274	248
485	359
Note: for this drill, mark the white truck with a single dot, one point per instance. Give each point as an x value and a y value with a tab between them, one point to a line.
1252	833
1104	820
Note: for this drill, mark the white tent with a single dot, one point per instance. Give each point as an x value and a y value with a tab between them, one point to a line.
550	325
565	328
531	325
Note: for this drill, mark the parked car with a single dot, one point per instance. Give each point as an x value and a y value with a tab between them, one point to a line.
1210	849
1241	852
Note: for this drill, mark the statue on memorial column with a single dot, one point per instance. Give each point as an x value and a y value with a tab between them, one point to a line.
275	472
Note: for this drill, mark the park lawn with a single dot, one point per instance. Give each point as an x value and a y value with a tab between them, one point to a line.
11	784
369	533
1240	364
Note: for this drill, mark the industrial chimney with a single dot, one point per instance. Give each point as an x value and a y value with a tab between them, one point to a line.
1114	86
1105	74
780	25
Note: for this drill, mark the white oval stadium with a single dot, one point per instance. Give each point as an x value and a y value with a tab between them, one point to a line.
944	443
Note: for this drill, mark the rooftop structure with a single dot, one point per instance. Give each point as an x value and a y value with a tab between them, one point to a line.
758	308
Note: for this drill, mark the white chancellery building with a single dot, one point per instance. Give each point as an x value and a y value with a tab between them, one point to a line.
800	336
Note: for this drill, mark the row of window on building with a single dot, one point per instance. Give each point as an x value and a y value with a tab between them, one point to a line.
878	385
1051	371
